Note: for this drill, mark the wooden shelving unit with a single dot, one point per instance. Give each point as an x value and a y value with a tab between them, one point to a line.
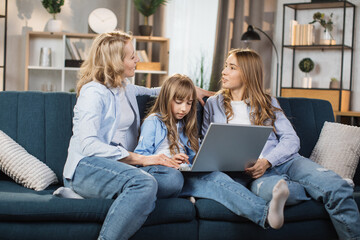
3	19
62	78
58	76
162	53
339	98
350	118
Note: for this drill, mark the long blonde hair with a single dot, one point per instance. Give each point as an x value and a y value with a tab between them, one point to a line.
105	61
251	69
177	87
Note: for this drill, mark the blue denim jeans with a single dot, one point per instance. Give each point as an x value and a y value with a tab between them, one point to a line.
230	192
264	186
170	180
133	189
321	184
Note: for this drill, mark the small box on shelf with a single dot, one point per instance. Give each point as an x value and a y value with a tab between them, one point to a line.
149	66
73	63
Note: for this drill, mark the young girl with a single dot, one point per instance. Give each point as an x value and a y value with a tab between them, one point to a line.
171	126
242	100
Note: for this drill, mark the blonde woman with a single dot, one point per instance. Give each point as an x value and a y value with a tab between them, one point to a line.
242	100
101	162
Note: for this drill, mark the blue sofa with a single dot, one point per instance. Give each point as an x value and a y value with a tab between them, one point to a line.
42	124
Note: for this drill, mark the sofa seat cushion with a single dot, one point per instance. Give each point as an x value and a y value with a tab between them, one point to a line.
307	210
21	204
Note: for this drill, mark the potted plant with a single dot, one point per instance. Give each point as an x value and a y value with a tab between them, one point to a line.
334	83
327	38
306	65
147	8
53	7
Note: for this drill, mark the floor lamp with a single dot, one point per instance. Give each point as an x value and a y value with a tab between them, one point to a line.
251	35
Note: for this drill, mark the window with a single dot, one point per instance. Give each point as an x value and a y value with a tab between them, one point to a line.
191	27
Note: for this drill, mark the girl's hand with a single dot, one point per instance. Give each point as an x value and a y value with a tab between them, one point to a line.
160	159
181	158
259	168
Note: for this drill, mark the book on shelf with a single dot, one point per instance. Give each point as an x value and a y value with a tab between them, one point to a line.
68	47
293	23
73	63
74	52
139	56
301	34
143	57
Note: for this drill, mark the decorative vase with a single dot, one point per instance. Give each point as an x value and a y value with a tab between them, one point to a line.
54	25
45	57
326	38
306	82
334	85
145	30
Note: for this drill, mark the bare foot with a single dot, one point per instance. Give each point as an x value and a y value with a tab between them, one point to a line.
280	194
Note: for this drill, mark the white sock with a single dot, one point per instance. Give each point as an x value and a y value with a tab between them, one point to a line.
65	192
280	194
192	199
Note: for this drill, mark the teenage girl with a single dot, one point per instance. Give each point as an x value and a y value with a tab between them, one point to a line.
171	129
242	100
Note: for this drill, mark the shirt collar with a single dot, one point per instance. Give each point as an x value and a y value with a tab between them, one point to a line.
116	90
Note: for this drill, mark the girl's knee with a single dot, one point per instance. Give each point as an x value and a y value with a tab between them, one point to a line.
146	181
217	176
175	181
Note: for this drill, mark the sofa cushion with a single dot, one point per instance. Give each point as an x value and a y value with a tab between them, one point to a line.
307	116
309	230
211	210
39	122
21	166
338	149
21	204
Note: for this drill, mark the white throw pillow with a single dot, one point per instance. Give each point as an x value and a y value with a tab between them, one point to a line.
338	148
24	168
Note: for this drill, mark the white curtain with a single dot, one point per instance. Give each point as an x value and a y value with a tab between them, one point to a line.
191	27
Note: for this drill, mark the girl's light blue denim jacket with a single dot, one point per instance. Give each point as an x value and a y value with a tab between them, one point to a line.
96	118
154	132
280	146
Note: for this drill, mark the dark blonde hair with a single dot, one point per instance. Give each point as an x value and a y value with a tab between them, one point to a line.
251	74
177	87
105	61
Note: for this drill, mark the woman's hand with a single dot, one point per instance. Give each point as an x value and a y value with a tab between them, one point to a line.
160	159
181	158
259	168
201	93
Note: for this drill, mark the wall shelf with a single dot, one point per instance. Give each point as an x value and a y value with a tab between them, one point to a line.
318	47
63	78
60	78
343	51
157	48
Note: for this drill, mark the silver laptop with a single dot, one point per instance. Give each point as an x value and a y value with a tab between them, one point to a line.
229	147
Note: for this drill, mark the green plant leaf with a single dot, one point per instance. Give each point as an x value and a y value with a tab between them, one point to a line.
306	65
53	6
148	7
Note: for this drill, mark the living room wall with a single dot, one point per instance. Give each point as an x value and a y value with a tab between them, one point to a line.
24	15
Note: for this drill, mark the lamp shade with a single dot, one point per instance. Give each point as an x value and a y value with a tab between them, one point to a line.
250	35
